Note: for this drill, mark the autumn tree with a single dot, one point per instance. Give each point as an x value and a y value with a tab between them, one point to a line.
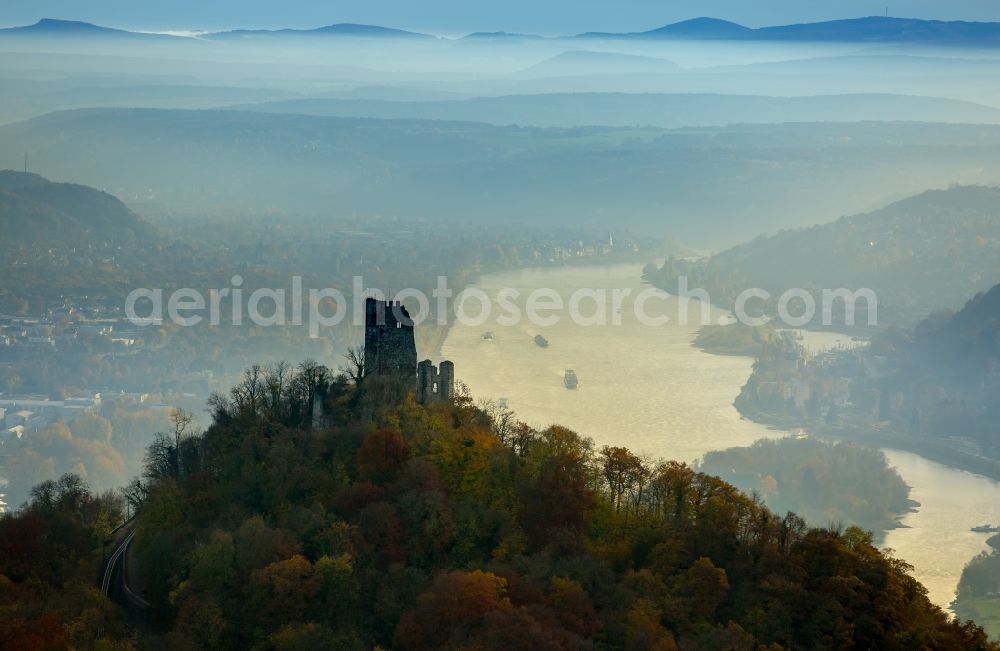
382	455
452	611
624	473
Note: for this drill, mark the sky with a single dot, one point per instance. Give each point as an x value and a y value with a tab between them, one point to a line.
447	17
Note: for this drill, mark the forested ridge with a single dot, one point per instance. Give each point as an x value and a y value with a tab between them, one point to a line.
977	595
933	387
921	254
945	374
397	525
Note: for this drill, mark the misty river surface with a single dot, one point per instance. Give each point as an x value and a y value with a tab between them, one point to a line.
646	387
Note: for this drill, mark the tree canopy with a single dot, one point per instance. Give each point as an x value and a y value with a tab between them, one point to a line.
397	525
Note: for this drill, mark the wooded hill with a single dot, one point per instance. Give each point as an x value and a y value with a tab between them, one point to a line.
447	526
925	253
37	212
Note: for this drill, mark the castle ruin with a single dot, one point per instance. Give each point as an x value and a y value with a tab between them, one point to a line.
391	352
433	383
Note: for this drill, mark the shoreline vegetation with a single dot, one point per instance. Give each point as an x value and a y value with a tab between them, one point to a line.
826	483
936	451
734	339
729	339
977	597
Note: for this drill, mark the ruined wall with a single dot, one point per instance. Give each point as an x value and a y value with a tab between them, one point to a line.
434	384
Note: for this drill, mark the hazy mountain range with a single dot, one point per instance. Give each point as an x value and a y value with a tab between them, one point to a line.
878	29
706	186
869	29
649	109
340	29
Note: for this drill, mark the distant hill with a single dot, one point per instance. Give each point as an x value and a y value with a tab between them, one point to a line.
871	29
702	28
63	28
585	62
879	29
73	28
37	212
884	29
647	109
941	381
695	29
501	36
877	64
925	253
339	29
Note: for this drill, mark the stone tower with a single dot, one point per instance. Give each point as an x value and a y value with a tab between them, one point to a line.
446	381
390	350
435	384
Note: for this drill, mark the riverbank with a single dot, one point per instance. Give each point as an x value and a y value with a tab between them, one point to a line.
877	437
738	339
649	389
944	511
821	481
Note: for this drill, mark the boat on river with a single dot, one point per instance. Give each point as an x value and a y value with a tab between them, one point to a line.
570	379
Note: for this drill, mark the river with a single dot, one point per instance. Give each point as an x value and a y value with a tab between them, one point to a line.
646	387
